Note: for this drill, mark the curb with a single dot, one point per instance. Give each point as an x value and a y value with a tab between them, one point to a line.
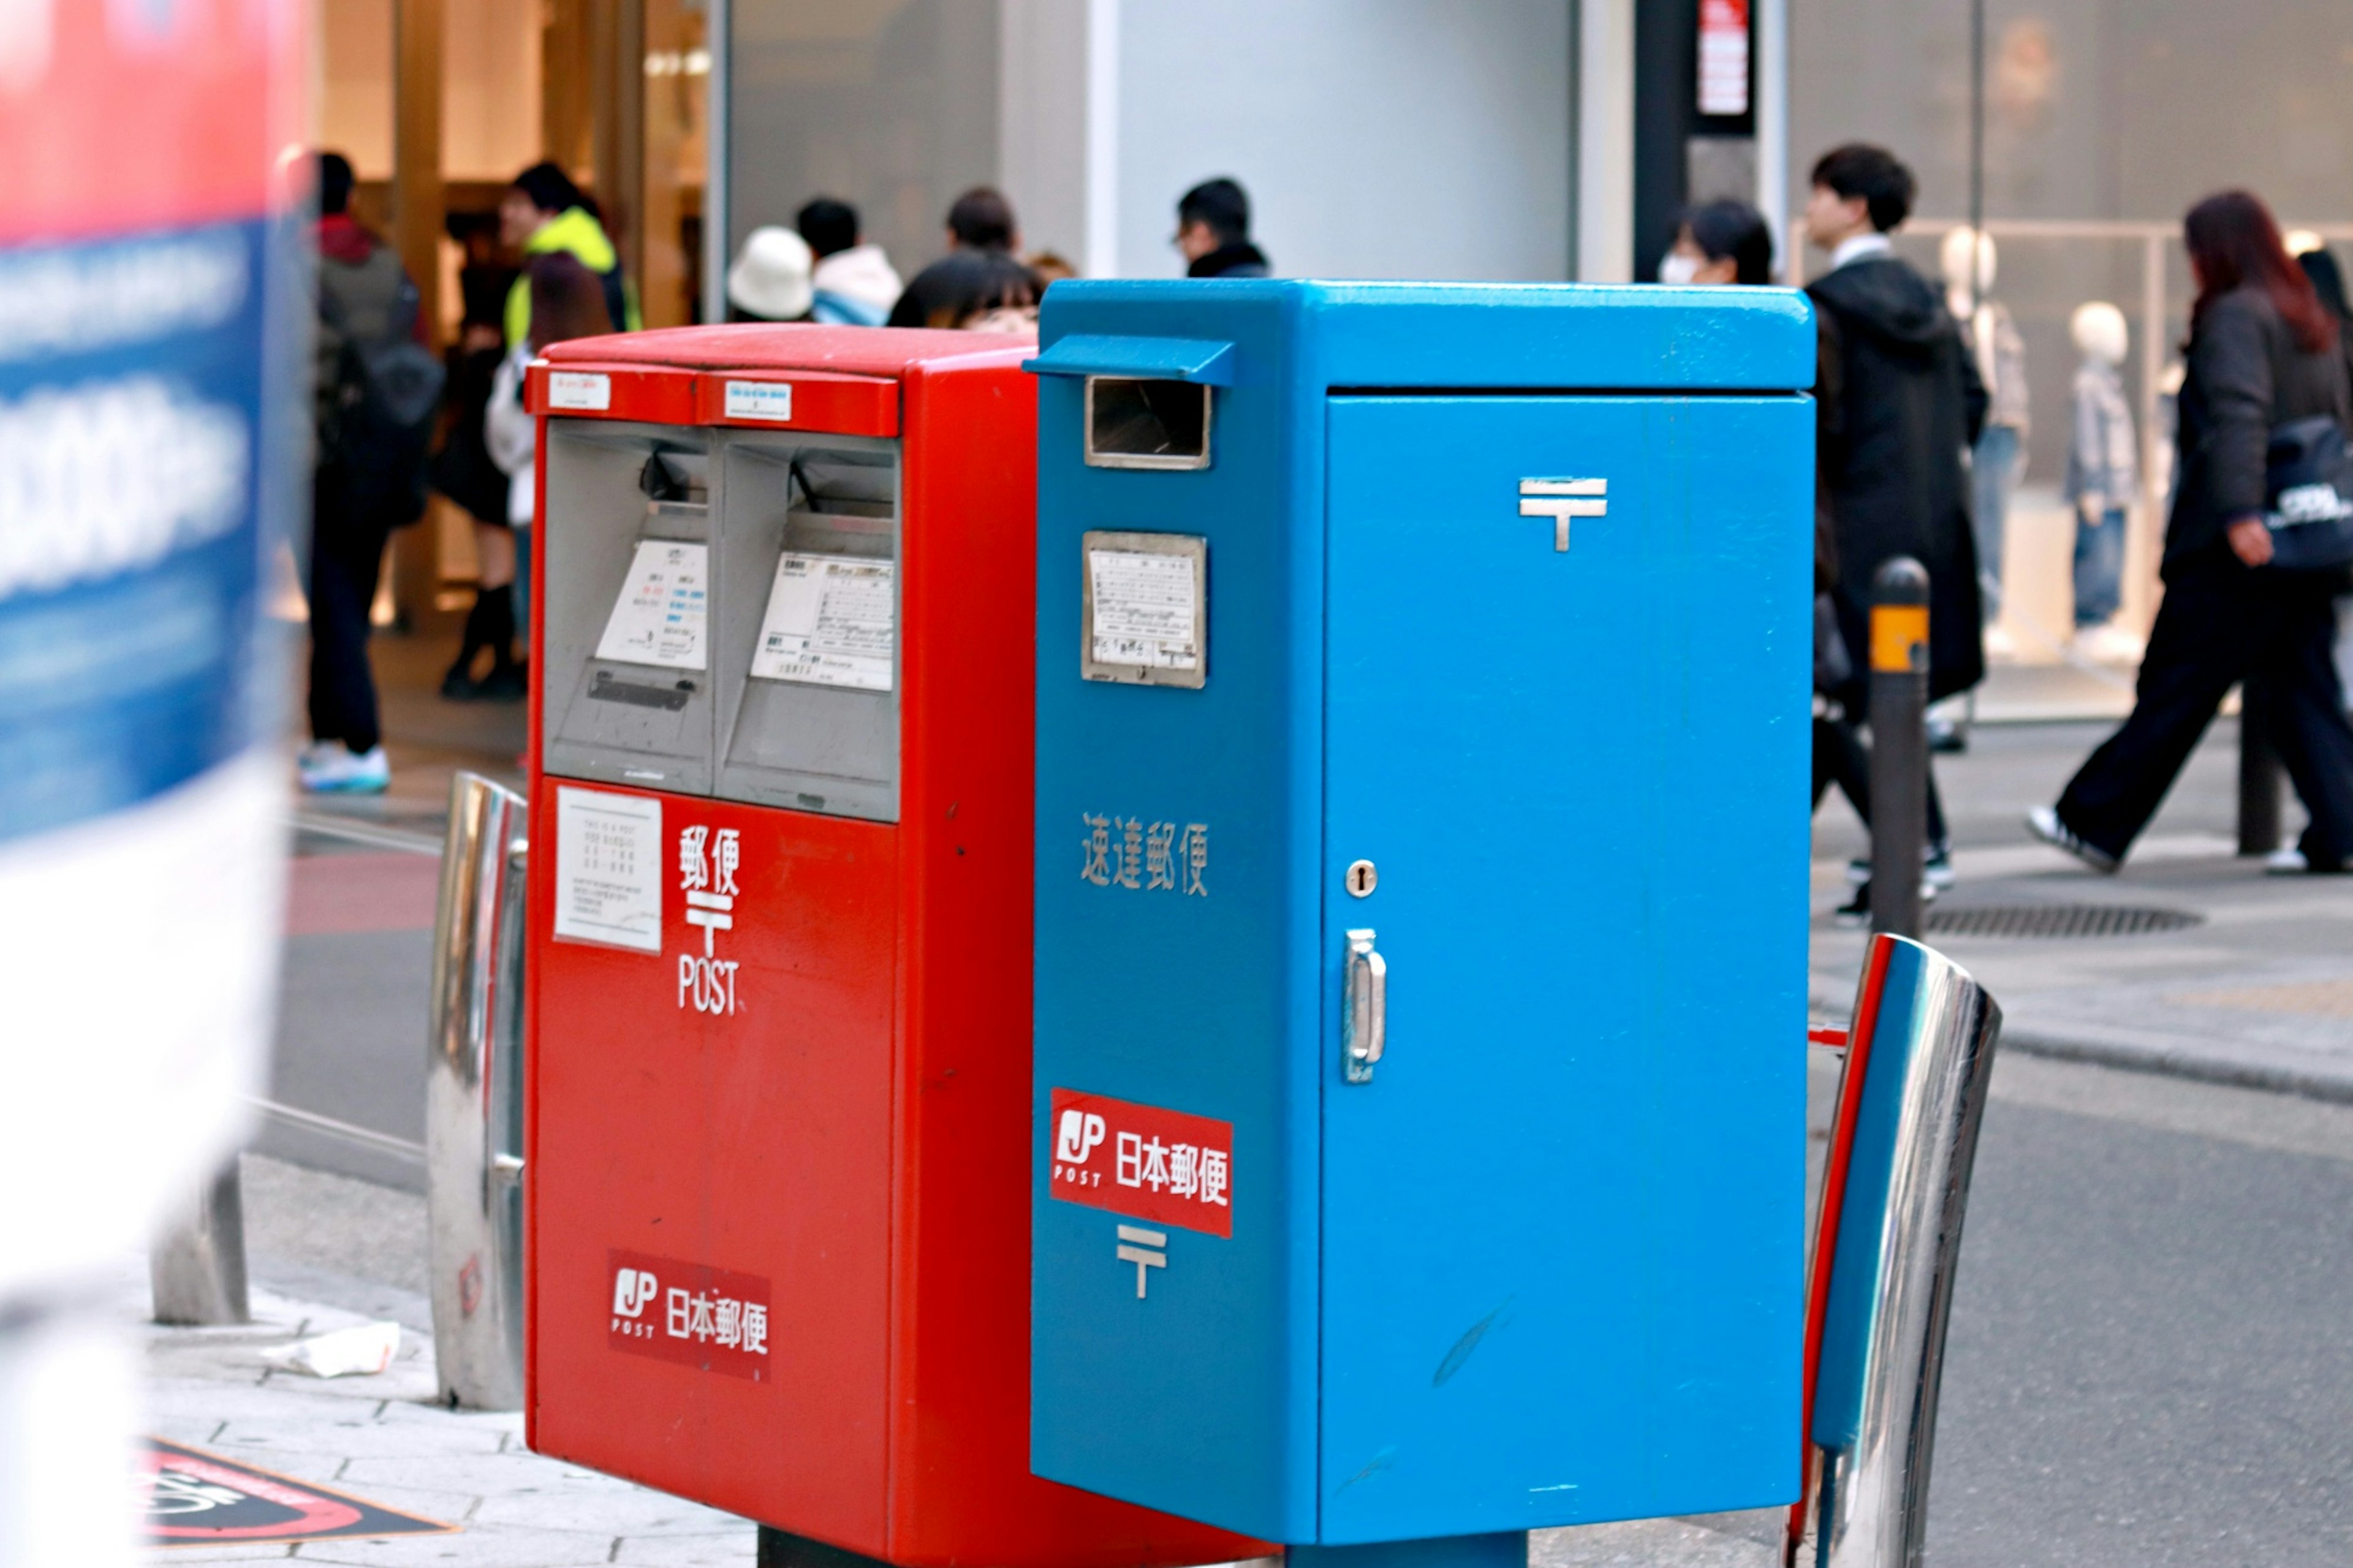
2163	1058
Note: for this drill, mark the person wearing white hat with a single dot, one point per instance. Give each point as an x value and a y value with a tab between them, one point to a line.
770	278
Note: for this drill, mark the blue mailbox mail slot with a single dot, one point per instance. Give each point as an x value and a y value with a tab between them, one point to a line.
1421	952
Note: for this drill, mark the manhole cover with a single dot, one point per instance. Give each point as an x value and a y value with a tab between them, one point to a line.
2055	919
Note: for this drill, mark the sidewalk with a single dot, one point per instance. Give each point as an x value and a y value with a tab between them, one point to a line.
2257	992
382	1440
329	1252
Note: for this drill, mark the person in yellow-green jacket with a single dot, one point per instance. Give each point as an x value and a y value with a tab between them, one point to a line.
543	214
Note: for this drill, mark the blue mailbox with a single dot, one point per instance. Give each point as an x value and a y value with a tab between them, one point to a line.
1421	894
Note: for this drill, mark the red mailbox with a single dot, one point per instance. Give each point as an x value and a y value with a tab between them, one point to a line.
778	1115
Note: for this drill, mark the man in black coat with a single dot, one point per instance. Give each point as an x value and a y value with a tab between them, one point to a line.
1898	401
1213	232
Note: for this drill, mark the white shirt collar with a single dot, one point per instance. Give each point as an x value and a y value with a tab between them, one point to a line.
1858	247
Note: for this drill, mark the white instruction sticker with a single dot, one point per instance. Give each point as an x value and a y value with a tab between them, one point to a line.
1145	609
608	865
769	400
579	389
659	616
831	621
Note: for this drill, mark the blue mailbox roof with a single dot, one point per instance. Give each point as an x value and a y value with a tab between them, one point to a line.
1496	335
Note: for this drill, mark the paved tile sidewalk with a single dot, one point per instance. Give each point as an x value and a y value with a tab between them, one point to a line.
381	1438
2259	994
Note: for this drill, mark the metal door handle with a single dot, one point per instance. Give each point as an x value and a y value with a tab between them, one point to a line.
1364	1008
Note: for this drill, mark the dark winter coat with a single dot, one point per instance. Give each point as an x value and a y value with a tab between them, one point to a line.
1239	258
1898	400
2245	374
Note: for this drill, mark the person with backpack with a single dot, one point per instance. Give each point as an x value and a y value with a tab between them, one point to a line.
2264	353
377	389
544	214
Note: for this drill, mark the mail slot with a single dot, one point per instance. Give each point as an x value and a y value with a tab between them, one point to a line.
778	970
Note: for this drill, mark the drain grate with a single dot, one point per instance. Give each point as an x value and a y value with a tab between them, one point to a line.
2055	919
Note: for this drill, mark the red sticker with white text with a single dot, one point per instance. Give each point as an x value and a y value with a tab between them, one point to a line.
713	1319
1142	1160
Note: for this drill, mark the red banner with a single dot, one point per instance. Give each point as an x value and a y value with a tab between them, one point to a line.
1142	1160
1724	57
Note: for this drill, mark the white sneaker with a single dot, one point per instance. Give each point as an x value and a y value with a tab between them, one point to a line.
2109	644
1935	869
2001	647
332	768
2043	822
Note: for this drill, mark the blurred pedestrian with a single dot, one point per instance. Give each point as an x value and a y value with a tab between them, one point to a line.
1898	403
2263	351
377	388
770	278
1720	242
543	214
983	238
855	284
2328	283
1213	221
1000	295
464	471
1728	242
1051	266
568	302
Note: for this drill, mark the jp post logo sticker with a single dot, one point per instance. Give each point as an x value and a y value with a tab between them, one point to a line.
1143	1161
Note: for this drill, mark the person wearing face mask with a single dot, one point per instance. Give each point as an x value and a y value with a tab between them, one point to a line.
1721	242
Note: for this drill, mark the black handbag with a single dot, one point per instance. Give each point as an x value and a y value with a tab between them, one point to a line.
2308	495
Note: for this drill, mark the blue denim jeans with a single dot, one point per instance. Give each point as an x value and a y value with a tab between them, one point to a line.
1993	470
2099	567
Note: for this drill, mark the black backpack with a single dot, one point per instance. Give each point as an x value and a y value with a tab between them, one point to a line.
378	425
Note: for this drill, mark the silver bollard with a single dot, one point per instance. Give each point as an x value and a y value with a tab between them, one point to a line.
473	1100
196	1266
1919	1059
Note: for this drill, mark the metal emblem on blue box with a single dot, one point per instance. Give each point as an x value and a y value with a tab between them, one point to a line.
1510	1139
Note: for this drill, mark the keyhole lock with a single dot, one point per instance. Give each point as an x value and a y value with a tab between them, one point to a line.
1362	878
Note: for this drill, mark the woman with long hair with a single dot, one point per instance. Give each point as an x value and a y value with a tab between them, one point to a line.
2263	351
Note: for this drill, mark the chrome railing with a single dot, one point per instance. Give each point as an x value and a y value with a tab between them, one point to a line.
473	1100
1904	1142
195	1265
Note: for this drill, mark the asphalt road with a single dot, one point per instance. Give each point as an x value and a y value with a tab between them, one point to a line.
2150	1363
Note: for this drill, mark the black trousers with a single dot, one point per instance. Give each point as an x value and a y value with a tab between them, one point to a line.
2222	624
1840	757
347	539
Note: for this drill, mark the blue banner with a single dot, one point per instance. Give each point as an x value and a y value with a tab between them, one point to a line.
136	478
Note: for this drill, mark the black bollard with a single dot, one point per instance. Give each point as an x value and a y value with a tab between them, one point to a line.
2259	774
1899	744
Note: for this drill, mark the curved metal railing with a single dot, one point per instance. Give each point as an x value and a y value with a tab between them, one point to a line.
473	1100
1886	1248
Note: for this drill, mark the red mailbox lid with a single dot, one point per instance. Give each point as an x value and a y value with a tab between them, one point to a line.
790	376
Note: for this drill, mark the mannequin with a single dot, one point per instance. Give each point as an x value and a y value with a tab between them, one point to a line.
1992	337
2102	475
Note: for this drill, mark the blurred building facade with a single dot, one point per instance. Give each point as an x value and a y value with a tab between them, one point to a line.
1512	138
